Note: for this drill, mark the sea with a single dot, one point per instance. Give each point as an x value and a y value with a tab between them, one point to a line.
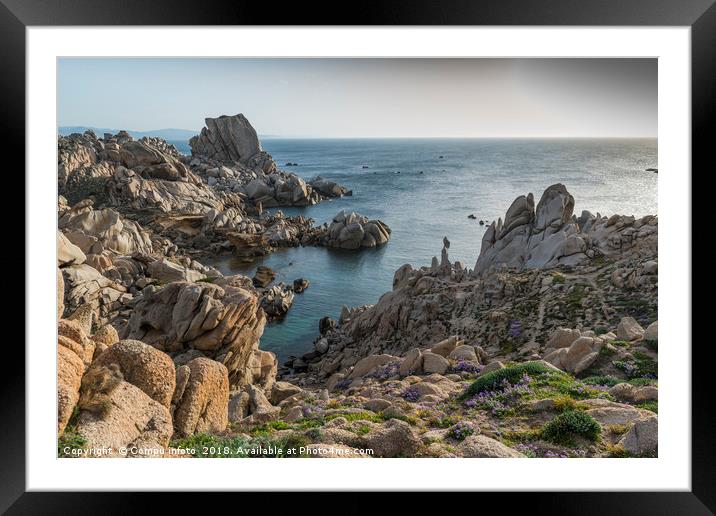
424	190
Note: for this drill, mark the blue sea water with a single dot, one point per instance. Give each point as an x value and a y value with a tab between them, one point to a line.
459	178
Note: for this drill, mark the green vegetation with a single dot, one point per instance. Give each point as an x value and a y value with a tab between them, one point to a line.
607	351
570	424
558	278
214	446
606	380
69	442
618	429
652	406
512	374
207	279
621	343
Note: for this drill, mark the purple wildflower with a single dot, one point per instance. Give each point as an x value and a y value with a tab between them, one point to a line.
411	394
515	329
461	430
463	366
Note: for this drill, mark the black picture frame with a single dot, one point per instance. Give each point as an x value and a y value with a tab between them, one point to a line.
700	15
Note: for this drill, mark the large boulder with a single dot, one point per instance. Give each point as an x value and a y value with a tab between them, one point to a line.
395	438
201	399
643	437
629	329
224	323
369	364
354	231
143	366
129	422
483	446
226	138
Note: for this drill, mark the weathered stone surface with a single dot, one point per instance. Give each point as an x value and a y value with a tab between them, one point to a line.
227	138
464	352
395	438
95	231
201	399
131	419
629	329
353	231
143	366
651	334
84	285
483	446
67	252
238	406
433	363
282	390
72	353
643	437
549	236
369	364
412	362
631	394
82	344
224	323
610	413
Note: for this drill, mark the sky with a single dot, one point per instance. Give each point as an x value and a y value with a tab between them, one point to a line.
345	98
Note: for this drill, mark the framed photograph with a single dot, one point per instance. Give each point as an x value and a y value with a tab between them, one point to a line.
425	238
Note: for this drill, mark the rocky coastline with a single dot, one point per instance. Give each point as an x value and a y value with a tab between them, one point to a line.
548	347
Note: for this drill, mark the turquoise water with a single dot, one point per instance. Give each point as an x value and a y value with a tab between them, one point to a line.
478	176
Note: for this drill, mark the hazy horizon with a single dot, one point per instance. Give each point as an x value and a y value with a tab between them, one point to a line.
319	98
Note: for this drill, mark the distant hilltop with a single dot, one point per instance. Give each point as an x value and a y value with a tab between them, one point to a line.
165	134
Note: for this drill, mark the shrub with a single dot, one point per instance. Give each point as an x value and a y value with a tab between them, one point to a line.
652	406
72	440
606	380
461	430
570	424
513	374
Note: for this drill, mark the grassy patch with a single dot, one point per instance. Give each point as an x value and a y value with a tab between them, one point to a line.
214	446
565	427
605	380
618	429
621	343
606	351
652	406
512	374
68	442
207	279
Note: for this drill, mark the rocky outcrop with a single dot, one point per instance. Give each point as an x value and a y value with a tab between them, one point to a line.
145	367
84	285
186	194
96	231
277	300
483	446
201	399
223	322
131	424
328	188
74	352
227	138
353	231
67	252
550	235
